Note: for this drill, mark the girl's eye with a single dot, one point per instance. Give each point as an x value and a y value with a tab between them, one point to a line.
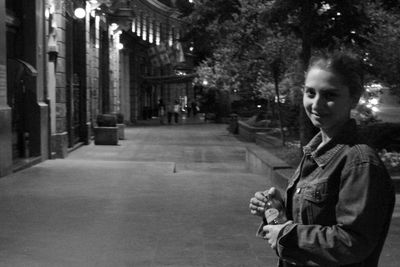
310	92
330	95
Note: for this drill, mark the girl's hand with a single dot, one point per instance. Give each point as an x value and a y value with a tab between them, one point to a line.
272	232
257	204
274	193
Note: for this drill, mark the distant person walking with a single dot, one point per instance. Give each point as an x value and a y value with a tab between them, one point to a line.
161	111
176	111
194	108
188	109
170	111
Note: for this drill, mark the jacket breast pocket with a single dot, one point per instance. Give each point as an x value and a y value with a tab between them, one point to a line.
318	205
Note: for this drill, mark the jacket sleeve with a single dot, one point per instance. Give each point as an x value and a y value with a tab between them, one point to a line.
363	212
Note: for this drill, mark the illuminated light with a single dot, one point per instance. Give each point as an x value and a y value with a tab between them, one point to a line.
191	48
369	105
205	82
80	13
120	46
47	13
258	106
338	13
190	1
375	109
374	101
113	26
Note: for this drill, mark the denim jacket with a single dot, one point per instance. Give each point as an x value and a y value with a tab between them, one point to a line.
342	212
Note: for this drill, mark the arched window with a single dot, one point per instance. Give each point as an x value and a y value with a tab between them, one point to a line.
145	28
158	33
151	31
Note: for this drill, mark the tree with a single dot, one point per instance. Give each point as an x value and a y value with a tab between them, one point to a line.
382	54
247	56
200	20
320	25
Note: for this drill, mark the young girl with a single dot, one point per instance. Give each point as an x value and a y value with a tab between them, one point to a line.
340	200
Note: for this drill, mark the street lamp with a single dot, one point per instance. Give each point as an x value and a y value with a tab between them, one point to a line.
80	12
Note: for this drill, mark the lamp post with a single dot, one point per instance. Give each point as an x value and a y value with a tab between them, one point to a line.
80	12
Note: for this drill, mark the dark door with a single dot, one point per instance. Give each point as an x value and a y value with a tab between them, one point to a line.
73	86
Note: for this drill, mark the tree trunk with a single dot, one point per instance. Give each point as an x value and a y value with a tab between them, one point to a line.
276	81
307	130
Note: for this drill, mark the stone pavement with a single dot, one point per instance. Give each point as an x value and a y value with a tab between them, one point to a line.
173	195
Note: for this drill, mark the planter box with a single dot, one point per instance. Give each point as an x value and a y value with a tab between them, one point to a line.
261	161
121	131
265	140
248	132
106	135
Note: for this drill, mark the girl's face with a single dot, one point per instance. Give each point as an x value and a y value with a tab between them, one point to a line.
327	100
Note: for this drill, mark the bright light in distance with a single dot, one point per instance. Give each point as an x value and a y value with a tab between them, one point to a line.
205	82
120	46
375	109
259	106
80	13
190	1
373	101
191	48
113	26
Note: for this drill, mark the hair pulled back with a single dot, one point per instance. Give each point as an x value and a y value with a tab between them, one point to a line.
346	66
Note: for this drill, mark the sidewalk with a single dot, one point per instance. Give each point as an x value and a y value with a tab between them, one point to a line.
172	195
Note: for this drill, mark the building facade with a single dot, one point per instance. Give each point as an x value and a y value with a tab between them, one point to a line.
59	69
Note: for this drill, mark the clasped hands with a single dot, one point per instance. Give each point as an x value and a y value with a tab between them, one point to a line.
257	207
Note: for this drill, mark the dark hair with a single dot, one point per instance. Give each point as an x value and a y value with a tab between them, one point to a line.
344	64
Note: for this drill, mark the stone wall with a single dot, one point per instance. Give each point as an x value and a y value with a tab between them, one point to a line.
261	161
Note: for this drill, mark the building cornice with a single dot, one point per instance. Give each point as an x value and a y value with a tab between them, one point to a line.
158	8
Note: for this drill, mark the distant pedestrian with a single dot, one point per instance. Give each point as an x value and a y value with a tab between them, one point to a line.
194	108
170	111
188	109
161	111
339	202
177	108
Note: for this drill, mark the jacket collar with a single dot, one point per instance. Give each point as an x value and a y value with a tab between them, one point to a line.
347	135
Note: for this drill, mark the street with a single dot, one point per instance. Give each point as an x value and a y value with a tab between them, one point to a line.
166	196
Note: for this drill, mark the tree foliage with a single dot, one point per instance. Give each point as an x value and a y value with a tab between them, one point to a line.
383	54
249	46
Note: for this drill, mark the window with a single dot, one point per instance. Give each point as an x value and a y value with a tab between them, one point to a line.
151	31
158	33
139	25
134	25
171	36
145	25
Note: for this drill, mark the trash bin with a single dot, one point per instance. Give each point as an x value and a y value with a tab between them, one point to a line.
233	123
